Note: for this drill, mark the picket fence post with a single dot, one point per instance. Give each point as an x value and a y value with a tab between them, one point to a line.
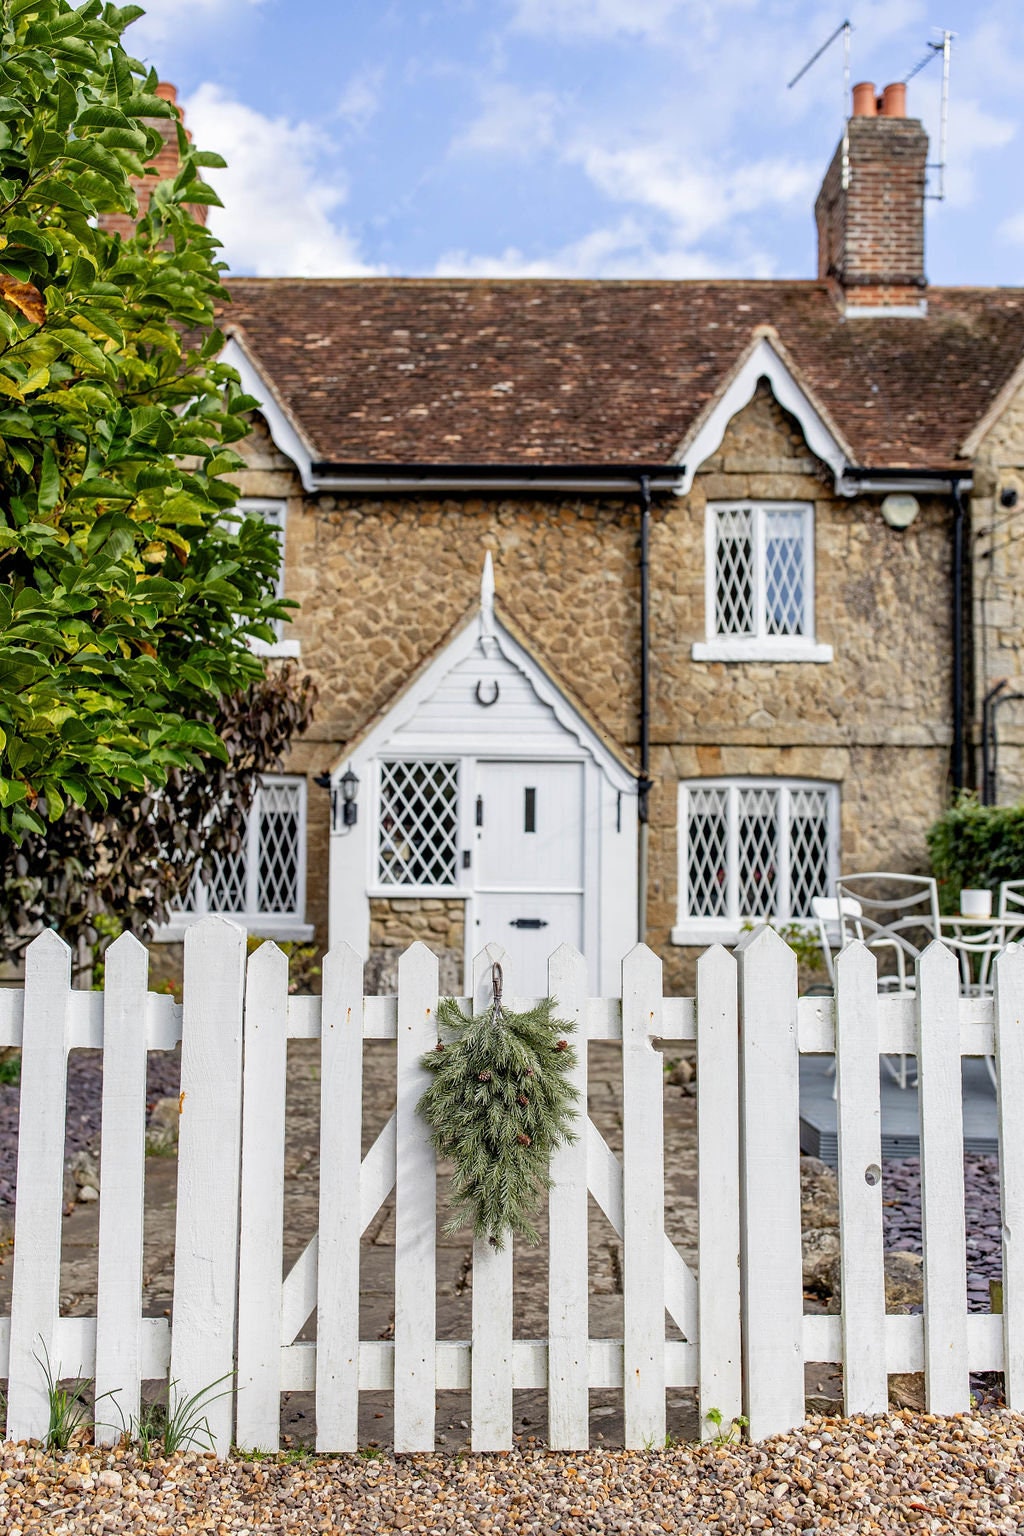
491	1356
772	1263
209	1146
118	1375
719	1356
415	1208
261	1225
568	1262
337	1300
35	1295
1009	1040
859	1124
943	1223
643	1202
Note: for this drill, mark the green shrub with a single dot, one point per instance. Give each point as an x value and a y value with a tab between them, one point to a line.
977	846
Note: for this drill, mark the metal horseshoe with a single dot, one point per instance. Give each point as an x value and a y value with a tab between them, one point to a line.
486	703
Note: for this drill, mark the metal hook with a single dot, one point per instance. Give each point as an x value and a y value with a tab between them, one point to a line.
496	985
486	703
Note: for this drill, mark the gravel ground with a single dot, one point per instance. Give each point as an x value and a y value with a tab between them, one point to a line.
900	1473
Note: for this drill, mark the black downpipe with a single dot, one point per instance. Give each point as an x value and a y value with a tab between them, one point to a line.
644	782
643	785
959	520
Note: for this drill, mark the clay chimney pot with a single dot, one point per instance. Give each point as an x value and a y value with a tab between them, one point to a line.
864	101
894	100
166	91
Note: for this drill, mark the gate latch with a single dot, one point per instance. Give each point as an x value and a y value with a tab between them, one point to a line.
529	922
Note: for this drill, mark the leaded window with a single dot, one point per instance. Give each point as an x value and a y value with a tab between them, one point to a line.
418	830
755	848
265	875
762	560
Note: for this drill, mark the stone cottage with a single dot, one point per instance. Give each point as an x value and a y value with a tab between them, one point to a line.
635	608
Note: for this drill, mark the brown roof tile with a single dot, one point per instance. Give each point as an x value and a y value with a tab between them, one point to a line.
399	370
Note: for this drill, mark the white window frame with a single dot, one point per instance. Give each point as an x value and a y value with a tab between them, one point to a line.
274	512
728	928
464	834
272	925
761	646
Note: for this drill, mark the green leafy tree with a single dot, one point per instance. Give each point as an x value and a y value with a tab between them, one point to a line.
128	589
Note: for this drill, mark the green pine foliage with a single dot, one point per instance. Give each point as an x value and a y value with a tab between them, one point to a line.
499	1102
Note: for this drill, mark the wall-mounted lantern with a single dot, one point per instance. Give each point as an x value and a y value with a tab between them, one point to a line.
344	811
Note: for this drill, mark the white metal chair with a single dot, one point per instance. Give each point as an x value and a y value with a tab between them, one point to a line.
1011	901
897	916
825	911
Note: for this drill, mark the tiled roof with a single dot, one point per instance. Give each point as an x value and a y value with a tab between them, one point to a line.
411	371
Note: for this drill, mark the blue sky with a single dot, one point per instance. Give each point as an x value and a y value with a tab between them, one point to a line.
584	138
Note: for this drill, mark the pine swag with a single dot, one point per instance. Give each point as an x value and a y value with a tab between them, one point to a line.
499	1103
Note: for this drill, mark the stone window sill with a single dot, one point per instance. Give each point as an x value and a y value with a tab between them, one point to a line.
760	650
279	649
263	926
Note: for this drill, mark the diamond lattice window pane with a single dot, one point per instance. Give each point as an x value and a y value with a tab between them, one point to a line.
707	829
226	887
784	576
808	849
734	572
418	823
758	852
277	879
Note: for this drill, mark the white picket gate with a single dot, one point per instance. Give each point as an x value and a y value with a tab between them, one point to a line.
234	1316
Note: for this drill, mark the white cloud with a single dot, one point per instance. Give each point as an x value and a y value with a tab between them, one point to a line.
166	19
972	130
653	19
698	199
623	250
1012	229
279	206
512	121
359	101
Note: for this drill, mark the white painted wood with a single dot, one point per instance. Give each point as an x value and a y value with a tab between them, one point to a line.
604	1178
643	1202
415	1199
341	1103
491	1402
568	1289
118	1370
35	1295
1009	1044
261	1229
772	1270
206	1227
859	1116
947	1388
720	1383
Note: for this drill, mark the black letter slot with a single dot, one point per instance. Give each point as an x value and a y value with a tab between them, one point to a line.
528	922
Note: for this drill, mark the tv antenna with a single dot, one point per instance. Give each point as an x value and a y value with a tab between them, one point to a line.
934	49
843	30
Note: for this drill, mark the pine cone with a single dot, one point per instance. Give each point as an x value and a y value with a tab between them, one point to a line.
483	1077
524	1141
563	1045
439	1046
529	1071
523	1099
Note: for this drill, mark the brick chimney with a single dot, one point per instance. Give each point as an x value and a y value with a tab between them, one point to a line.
166	164
871	232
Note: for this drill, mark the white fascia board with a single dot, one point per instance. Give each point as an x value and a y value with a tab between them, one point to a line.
283	431
618	485
763	361
364	748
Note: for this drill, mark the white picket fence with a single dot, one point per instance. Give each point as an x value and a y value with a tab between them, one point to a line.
745	1337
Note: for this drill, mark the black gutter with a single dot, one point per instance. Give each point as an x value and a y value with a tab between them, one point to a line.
533	471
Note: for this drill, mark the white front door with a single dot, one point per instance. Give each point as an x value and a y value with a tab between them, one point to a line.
529	865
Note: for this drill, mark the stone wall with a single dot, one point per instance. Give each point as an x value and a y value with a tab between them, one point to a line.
998	578
383	582
397	922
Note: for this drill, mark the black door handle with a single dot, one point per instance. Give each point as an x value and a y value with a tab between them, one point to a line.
529	922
